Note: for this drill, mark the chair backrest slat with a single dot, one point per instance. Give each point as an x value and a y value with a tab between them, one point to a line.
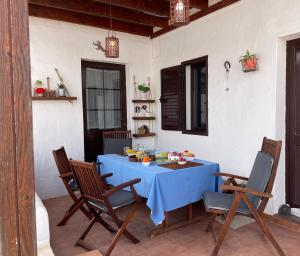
62	162
88	180
117	135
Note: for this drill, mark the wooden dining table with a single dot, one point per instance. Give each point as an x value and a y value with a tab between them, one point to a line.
165	187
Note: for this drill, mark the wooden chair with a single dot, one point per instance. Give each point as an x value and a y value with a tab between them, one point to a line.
101	200
66	175
250	200
115	141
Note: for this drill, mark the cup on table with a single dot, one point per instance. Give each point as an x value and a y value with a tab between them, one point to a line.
125	149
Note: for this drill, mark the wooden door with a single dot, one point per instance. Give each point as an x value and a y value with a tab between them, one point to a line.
293	124
104	104
171	98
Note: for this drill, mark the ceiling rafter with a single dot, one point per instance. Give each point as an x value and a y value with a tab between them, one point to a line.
213	8
151	7
88	20
103	10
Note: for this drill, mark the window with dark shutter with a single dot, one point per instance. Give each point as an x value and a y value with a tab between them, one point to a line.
171	98
195	91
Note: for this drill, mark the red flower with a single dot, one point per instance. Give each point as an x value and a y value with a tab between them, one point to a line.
39	90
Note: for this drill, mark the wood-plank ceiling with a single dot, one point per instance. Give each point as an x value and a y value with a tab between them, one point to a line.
141	17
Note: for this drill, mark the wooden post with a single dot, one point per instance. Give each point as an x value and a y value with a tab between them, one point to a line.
17	211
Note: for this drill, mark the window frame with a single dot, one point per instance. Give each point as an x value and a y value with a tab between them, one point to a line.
202	132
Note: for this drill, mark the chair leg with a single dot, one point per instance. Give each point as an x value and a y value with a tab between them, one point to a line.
86	212
263	226
121	230
91	224
227	223
77	205
103	222
211	222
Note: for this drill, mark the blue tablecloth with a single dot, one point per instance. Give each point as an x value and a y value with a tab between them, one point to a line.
165	189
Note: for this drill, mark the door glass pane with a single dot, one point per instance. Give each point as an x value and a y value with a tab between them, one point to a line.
112	119
103	99
112	99
95	119
94	99
94	78
111	79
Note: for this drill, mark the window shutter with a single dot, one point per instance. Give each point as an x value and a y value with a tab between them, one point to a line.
171	98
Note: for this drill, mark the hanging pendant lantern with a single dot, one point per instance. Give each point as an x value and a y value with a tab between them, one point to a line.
111	49
179	12
112	45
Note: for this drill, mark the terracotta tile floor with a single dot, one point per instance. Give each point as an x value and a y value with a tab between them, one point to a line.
191	240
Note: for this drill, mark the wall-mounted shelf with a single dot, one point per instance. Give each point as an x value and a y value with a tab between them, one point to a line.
53	98
143	118
150	134
143	101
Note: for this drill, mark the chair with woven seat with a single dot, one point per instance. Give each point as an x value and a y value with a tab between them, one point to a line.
101	199
66	175
115	141
250	200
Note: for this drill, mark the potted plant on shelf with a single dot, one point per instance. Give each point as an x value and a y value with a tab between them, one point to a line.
61	89
38	89
144	91
249	62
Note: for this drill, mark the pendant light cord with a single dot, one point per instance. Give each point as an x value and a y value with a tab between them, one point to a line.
110	16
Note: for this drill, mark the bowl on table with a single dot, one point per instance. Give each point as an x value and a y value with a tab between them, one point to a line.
182	162
189	158
146	163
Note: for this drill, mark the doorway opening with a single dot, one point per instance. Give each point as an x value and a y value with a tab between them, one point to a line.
293	124
104	103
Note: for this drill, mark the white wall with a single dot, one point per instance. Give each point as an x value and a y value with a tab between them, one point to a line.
254	107
56	123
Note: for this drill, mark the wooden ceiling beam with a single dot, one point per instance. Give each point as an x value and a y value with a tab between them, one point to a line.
151	7
199	4
213	8
103	10
88	20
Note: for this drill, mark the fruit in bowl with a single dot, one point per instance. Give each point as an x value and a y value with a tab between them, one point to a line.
189	156
181	160
146	161
131	152
174	156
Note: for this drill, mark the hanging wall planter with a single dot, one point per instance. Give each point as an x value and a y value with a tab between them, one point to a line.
249	62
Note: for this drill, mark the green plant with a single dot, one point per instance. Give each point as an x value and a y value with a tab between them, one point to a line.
249	62
38	83
247	56
61	85
143	88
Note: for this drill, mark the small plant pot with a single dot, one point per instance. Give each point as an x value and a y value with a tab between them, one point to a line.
250	65
61	92
144	95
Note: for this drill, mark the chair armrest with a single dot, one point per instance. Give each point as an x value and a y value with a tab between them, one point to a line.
246	190
106	175
66	175
229	175
121	186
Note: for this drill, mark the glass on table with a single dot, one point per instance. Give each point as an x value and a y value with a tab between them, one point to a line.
125	150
